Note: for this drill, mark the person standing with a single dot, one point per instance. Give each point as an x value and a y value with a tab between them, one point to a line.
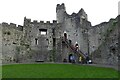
71	58
80	59
73	61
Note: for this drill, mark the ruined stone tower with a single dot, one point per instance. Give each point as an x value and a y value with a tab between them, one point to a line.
75	26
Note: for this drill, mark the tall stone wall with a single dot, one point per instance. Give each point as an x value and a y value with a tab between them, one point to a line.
104	48
96	35
11	39
39	42
0	45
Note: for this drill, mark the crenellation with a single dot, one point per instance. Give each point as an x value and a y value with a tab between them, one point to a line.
20	27
54	21
26	20
29	20
4	24
13	25
58	5
62	6
35	21
48	22
41	22
45	23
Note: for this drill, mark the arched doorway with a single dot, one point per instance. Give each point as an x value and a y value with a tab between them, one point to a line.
71	55
65	36
76	47
70	41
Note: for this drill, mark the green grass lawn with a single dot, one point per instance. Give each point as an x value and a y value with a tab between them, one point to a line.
0	72
56	71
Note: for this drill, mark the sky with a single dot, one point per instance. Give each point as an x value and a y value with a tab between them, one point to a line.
14	11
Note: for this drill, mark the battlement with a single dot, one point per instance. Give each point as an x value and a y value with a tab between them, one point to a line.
26	20
35	21
40	22
54	21
12	25
48	22
4	24
20	27
62	6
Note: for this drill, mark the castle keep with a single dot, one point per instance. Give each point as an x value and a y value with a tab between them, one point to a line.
55	42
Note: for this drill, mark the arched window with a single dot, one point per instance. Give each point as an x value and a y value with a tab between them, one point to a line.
65	35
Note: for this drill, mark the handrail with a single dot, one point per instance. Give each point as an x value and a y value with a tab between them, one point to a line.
73	49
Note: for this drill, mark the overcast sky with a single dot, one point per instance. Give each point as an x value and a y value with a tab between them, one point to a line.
15	10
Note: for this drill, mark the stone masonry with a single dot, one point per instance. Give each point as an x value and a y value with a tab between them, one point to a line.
44	41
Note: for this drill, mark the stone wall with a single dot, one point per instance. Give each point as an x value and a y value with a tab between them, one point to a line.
75	26
104	48
42	41
11	39
0	44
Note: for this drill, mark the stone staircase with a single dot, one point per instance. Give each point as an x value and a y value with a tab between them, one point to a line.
72	47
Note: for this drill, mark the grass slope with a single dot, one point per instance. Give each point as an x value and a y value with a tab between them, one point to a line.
56	71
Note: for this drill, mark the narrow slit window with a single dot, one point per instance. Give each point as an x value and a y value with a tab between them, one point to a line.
54	41
36	41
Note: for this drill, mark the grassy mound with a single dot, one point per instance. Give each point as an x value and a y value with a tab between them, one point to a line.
56	71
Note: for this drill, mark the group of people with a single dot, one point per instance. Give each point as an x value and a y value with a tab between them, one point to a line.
81	60
72	59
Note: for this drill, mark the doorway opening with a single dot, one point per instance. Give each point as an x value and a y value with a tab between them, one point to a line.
65	36
70	58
